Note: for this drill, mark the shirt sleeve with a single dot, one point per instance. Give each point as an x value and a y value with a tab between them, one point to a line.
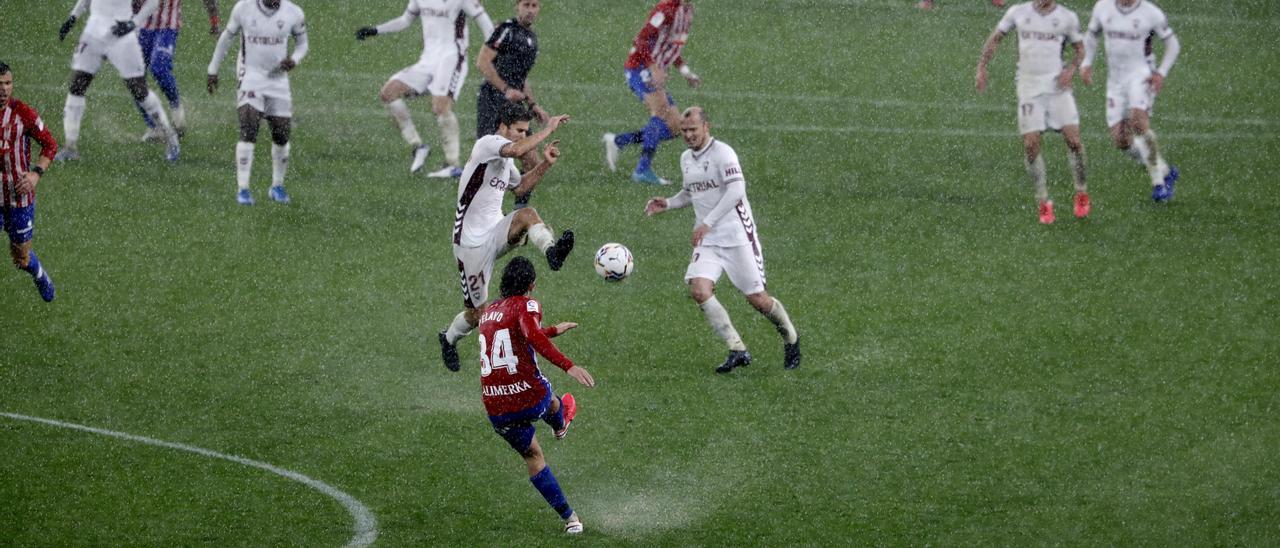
531	328
1163	30
499	36
649	34
489	148
36	129
1074	35
1008	22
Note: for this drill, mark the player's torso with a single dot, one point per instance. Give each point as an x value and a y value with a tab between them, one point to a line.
484	183
705	174
516	53
12	138
1128	32
103	16
168	15
1041	37
509	376
444	22
265	37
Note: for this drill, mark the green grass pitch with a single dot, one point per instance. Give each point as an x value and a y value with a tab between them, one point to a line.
970	378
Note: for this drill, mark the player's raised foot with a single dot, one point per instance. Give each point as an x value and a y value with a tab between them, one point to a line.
419	158
1082	205
243	197
45	284
557	253
610	151
152	135
449	353
1160	193
573	525
1046	212
737	358
279	194
446	172
67	154
570	408
1171	179
648	177
791	355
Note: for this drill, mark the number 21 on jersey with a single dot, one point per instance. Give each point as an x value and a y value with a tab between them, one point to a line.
501	356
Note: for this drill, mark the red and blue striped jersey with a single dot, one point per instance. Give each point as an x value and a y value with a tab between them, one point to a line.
19	124
663	36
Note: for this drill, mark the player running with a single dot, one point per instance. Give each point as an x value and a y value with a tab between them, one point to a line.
481	233
19	124
515	393
440	72
1133	80
656	49
724	239
263	67
1045	100
159	40
111	34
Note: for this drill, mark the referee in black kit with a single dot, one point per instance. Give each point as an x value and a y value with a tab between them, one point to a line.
505	61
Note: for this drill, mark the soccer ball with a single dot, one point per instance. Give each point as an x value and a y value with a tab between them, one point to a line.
613	262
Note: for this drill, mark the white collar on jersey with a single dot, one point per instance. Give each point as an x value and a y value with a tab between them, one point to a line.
269	12
710	141
1129	9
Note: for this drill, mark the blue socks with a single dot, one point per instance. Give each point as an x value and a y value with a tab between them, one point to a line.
33	267
556	420
545	482
653	133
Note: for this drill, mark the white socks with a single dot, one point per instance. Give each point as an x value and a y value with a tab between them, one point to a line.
1155	163
1076	161
458	328
279	163
72	114
718	317
1035	168
778	315
449	134
1138	150
153	108
244	163
540	236
400	113
179	117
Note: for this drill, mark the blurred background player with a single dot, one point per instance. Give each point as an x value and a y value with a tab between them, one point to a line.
928	4
1045	99
656	49
264	64
1133	80
440	72
19	124
481	233
515	393
159	40
505	61
724	239
110	34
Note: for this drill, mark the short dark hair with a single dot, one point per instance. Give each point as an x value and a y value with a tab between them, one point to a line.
511	113
4	67
517	277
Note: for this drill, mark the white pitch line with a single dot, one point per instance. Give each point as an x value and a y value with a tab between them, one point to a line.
364	531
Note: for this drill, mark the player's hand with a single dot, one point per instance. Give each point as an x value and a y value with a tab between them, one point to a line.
27	184
1086	75
700	232
66	28
514	95
694	81
542	114
562	327
582	376
215	26
123	27
212	84
551	152
1064	79
288	64
655	206
366	32
1157	82
553	123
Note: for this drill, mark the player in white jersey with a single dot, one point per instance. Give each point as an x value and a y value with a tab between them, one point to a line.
439	72
724	239
111	34
263	68
1045	100
1133	80
481	233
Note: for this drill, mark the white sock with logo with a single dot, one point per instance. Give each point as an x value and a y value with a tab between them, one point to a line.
400	113
718	317
541	237
244	164
778	315
279	163
72	114
449	134
1035	169
458	328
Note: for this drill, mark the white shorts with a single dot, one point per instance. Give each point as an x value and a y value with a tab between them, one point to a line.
438	77
272	98
124	53
744	264
1047	111
475	264
1131	93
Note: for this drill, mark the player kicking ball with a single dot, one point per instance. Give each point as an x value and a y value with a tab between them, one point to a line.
1045	100
264	83
481	233
515	393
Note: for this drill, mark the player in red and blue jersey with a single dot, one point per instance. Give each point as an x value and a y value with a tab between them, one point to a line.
515	393
19	124
656	49
159	40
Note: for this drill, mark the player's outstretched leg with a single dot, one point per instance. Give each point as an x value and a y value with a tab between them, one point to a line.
280	131
458	328
611	149
43	282
545	482
702	291
559	421
653	134
772	308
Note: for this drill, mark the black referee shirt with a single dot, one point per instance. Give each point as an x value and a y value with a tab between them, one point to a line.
517	48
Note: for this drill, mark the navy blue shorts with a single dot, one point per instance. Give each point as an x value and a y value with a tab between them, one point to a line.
641	84
19	222
517	428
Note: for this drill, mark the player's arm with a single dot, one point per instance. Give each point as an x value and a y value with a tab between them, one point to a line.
734	192
1069	71
36	129
988	53
215	21
1091	34
300	47
1172	47
523	146
528	181
76	11
223	46
149	7
474	10
395	25
659	204
485	62
687	71
532	331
